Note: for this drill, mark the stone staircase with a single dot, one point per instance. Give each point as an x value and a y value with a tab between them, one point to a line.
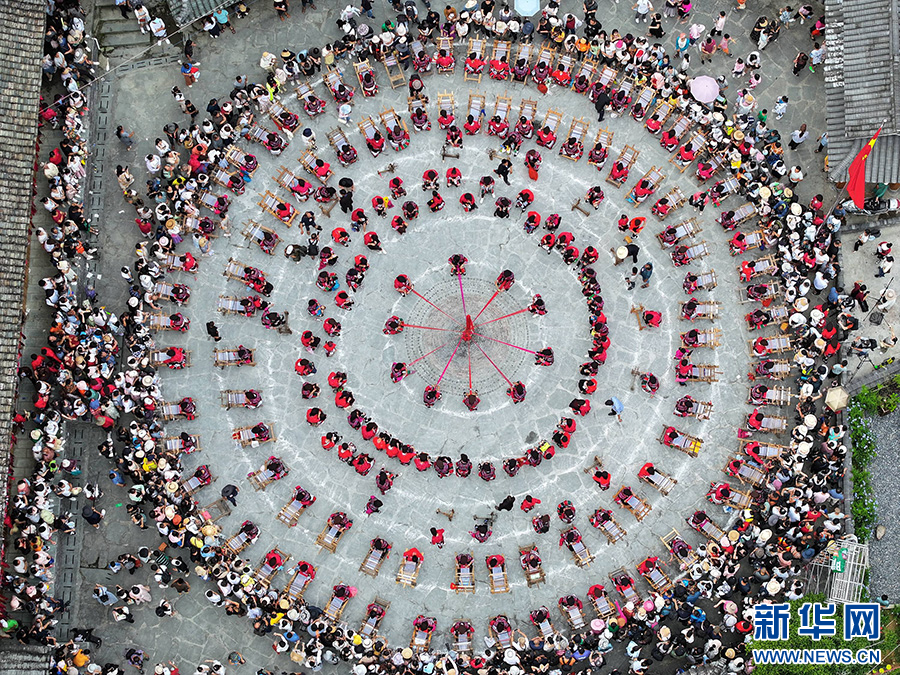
118	36
19	659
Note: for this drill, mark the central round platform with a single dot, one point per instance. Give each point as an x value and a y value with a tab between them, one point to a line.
436	346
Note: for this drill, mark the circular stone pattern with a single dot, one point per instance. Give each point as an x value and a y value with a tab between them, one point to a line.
435	347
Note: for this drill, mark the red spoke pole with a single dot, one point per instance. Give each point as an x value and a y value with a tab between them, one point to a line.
505	343
412	325
505	316
461	294
416	293
469	353
496	293
495	366
458	343
428	354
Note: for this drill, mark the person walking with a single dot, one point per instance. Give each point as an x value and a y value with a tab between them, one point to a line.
616	408
503	170
780	107
642	9
281	8
190	72
719	25
707	49
127	137
600	104
646	273
230	491
798	136
822	141
437	537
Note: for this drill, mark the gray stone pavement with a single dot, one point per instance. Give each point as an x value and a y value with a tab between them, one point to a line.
883	553
498	429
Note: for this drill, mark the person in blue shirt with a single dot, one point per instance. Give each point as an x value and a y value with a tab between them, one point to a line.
616	407
221	17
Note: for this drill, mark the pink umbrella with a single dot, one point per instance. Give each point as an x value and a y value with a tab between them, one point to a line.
704	89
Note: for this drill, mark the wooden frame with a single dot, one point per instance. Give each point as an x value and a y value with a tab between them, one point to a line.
533	577
692	253
654	176
308	161
256	232
373	561
176	444
658	580
337	138
749	473
705	338
229	357
332	77
233	398
660	481
602	605
635	505
408	573
686	560
369	626
686	443
629	156
245	437
465	577
158	357
330	537
290	513
630	594
681	231
263	477
264	573
498	578
394	71
478	46
269	201
611	529
579	550
297	584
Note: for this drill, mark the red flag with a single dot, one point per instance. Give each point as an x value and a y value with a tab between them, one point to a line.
856	186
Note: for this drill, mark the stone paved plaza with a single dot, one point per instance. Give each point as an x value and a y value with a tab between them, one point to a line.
499	429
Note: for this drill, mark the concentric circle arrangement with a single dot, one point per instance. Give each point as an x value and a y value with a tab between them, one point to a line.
543	492
467	335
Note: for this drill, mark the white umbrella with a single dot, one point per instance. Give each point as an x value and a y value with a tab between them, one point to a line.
837	398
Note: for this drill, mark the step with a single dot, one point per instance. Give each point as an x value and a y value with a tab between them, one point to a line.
134	39
108	27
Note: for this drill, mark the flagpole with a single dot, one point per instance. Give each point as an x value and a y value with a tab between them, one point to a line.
871	145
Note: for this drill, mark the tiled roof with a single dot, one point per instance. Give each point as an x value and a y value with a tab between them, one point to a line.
188	11
862	86
21	47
